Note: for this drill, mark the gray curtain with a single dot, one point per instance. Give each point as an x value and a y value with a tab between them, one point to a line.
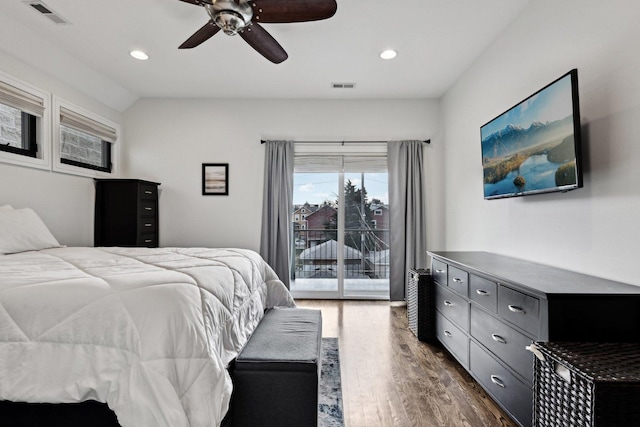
277	204
407	229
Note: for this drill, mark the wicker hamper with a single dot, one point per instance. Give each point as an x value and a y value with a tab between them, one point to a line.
586	384
420	304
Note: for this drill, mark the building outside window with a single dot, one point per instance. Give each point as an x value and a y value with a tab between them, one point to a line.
83	149
17	131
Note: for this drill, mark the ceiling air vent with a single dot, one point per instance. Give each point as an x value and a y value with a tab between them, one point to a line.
343	85
46	11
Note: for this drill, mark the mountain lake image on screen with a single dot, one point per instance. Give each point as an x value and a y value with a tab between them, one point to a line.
534	147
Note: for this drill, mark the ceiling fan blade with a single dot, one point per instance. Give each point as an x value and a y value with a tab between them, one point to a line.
259	39
207	31
283	11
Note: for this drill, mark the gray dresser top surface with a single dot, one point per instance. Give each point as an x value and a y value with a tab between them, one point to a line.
532	276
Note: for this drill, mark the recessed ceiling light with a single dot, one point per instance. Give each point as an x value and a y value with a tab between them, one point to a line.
388	54
138	54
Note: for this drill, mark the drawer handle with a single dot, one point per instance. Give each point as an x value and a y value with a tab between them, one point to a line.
497	381
148	225
447	333
448	303
147	240
148	192
516	309
482	292
440	271
498	338
148	209
458	280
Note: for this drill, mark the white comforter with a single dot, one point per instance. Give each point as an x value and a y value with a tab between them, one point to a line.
148	331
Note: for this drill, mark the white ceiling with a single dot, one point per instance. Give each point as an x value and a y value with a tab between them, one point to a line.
436	40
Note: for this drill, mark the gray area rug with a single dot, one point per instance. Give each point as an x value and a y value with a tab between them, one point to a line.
330	400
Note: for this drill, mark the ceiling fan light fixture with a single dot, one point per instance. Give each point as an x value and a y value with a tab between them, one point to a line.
388	54
229	15
138	54
230	22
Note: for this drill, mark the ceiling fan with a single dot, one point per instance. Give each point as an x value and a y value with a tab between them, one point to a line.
245	16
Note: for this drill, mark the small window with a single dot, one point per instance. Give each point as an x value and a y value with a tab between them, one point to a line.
378	212
84	143
81	149
17	131
24	124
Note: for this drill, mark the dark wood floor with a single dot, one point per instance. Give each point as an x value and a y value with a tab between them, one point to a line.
389	378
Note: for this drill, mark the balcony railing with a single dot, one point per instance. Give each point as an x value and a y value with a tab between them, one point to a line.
365	253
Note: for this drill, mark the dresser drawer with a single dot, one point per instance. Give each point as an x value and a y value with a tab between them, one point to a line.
147	208
458	281
503	341
515	396
148	191
147	240
147	224
520	309
439	272
484	292
453	306
456	341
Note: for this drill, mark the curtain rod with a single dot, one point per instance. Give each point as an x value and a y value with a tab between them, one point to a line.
262	141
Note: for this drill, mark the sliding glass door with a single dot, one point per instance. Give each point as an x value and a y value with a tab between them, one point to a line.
365	236
340	228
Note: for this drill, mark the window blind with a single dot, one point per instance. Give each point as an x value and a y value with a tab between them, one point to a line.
21	100
339	163
85	124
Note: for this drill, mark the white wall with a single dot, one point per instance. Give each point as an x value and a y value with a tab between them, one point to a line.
169	139
595	229
64	202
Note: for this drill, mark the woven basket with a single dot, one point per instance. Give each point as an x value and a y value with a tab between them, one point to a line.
420	304
587	384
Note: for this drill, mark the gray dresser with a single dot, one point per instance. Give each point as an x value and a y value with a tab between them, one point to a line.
490	307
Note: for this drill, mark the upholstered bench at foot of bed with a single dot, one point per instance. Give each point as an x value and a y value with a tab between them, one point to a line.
275	377
89	413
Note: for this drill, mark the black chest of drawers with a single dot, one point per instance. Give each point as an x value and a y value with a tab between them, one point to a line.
490	307
126	213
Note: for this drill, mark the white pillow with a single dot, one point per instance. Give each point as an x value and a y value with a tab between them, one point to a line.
6	208
23	230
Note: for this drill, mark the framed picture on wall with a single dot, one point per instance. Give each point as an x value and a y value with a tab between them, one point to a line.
215	179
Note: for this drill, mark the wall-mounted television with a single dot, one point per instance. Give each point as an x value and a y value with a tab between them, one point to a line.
534	147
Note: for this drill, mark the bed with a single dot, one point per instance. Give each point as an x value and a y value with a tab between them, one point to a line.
150	332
